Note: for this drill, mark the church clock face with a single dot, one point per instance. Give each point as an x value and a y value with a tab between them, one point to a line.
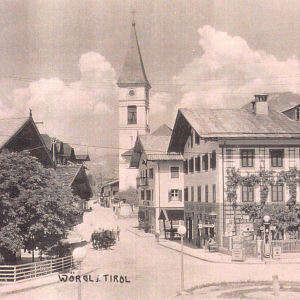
131	93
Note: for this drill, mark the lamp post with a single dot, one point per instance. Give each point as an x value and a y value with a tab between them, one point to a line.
182	230
267	249
79	255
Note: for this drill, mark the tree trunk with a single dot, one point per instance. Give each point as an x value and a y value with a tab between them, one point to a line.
9	257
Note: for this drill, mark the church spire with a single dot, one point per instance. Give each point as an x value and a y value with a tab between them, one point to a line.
133	72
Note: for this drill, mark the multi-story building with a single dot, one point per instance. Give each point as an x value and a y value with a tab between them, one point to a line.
159	181
217	140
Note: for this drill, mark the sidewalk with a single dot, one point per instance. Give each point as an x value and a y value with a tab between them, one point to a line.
216	257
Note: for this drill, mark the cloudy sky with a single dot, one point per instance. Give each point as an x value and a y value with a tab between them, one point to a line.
62	58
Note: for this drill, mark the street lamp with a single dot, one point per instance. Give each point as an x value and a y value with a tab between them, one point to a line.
79	255
267	246
182	230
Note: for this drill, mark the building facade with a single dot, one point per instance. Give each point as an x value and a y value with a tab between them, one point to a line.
159	182
218	144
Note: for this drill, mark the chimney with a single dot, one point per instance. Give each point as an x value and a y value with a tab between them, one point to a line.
260	104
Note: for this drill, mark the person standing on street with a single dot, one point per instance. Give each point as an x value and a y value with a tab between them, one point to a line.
118	233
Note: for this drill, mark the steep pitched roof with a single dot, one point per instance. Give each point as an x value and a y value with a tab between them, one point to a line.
163	130
133	72
18	134
231	123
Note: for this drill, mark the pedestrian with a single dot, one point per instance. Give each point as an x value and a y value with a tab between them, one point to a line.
118	233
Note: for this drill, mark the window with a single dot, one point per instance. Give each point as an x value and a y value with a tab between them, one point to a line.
205	162
185	166
175	195
247	193
214	194
206	193
277	157
247	157
297	114
228	154
213	161
174	172
199	193
148	195
131	114
192	194
191	165
197	139
186	194
277	192
197	164
151	173
142	194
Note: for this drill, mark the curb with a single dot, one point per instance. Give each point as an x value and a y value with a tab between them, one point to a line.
221	262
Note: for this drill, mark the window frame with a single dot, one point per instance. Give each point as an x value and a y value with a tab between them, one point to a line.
151	173
130	119
214	193
277	192
175	195
176	173
274	157
199	193
206	193
249	158
249	188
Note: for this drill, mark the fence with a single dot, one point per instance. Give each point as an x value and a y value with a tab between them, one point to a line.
287	246
32	270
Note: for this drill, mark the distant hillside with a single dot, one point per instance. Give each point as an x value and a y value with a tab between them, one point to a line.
280	101
105	166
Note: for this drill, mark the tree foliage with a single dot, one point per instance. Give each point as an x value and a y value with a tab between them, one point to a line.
35	206
130	196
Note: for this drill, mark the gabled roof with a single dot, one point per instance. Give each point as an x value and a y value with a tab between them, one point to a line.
75	177
18	134
280	101
67	174
155	147
163	130
133	72
231	123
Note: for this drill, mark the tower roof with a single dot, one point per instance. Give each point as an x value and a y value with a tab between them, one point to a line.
133	72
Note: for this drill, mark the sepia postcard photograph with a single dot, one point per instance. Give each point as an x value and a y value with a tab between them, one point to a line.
149	149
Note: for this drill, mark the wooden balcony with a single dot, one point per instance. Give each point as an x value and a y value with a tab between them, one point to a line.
142	181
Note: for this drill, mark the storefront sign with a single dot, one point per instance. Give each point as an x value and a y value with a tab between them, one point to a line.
238	255
276	252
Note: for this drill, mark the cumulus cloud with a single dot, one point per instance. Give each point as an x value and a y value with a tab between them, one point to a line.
70	109
229	73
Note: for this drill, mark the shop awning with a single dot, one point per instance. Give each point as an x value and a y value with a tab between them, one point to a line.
171	214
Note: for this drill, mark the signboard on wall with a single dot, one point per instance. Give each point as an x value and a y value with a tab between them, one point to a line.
246	227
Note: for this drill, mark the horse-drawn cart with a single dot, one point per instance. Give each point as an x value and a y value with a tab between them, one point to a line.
103	239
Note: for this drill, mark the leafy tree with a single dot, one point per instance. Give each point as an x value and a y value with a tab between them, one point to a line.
130	196
35	207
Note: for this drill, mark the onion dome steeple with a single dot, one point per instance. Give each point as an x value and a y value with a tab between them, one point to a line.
133	72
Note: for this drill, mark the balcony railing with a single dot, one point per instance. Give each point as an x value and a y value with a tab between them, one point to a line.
142	181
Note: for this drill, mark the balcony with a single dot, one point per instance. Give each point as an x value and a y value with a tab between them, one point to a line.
142	181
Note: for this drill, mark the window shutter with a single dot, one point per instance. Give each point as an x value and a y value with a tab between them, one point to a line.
180	195
169	192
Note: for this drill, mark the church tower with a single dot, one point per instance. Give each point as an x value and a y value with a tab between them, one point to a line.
133	108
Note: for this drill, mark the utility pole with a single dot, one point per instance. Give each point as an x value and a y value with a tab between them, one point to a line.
53	142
